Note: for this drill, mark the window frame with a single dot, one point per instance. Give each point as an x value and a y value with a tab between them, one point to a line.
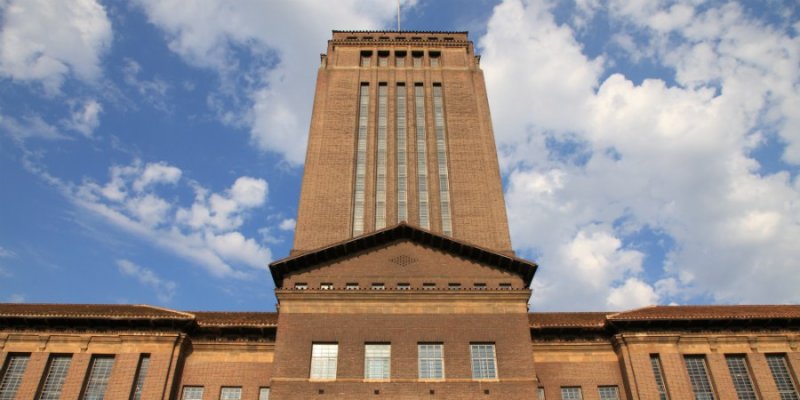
52	389
192	388
658	373
481	359
697	380
10	382
741	376
789	380
101	366
614	393
261	391
377	358
578	390
430	359
320	369
231	389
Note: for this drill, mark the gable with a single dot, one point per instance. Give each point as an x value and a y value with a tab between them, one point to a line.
404	262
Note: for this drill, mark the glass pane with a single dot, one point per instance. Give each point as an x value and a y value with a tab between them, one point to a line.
99	373
12	377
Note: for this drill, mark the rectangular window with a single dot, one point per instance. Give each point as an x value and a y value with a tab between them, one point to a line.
380	157
378	286
230	393
429	285
441	160
422	156
484	364
402	159
326	286
608	392
263	393
351	286
12	375
192	393
141	373
400	58
434	57
417	58
365	58
571	393
698	376
541	393
99	373
383	58
55	375
403	286
454	285
377	360
301	286
431	360
740	374
783	380
323	360
361	161
658	372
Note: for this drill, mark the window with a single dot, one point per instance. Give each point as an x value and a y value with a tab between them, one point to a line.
54	377
141	373
403	286
780	372
302	286
571	393
263	393
441	159
326	286
192	393
541	393
230	393
365	58
378	286
361	161
422	158
400	58
351	286
484	365
698	375
434	58
608	392
323	360
377	360
417	57
505	285
380	168
655	363
429	285
383	58
402	166
740	374
12	375
454	285
480	285
99	373
431	360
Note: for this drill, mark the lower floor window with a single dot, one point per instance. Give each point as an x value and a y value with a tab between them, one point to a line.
571	393
230	393
263	394
484	365
608	392
192	393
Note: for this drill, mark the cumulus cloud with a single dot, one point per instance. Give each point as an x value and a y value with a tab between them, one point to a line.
287	224
85	118
46	41
594	159
273	83
165	289
28	127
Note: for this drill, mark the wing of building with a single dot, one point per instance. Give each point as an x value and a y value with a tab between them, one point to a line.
402	283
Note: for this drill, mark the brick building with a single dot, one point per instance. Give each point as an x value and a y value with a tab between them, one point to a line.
402	283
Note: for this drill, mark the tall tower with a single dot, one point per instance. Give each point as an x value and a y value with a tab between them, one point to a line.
401	131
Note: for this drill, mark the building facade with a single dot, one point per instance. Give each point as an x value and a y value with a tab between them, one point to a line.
402	282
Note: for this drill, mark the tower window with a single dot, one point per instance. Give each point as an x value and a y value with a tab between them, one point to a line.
435	56
417	58
422	156
698	376
484	364
383	58
380	168
12	375
192	393
323	360
402	158
366	57
361	161
431	360
441	159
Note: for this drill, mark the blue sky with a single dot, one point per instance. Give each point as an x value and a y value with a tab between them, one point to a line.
151	151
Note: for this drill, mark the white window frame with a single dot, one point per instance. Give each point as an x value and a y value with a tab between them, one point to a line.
430	358
486	365
324	360
192	393
377	361
230	393
569	393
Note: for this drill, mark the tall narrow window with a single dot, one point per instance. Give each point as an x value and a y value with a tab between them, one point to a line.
141	373
608	392
698	376
263	393
541	393
441	160
192	393
402	158
740	374
658	372
422	159
484	365
571	393
380	167
54	377
400	58
12	375
99	373
434	57
383	58
377	360
431	360
366	56
783	380
230	393
361	161
417	58
323	360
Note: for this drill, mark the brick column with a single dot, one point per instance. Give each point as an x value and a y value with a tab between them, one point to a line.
75	376
34	373
120	383
762	376
720	376
676	377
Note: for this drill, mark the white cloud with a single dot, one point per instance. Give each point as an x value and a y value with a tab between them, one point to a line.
670	157
154	91
222	212
16	298
165	289
156	173
45	41
86	118
287	224
275	81
6	253
30	126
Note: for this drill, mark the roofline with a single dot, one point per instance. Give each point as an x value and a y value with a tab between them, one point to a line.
400	31
403	230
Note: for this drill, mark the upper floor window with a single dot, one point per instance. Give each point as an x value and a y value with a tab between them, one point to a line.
484	365
141	373
417	58
230	393
366	57
608	392
383	58
541	393
301	285
403	285
351	286
54	377
571	393
400	58
783	380
655	364
12	375
435	56
192	393
431	360
326	286
377	361
323	360
99	374
698	376
378	286
740	374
